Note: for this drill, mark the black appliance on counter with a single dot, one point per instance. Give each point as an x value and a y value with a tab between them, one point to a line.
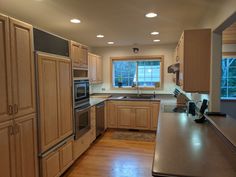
81	93
100	123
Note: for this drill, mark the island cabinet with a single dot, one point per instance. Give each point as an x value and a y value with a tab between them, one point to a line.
18	148
95	69
55	95
193	53
79	55
140	115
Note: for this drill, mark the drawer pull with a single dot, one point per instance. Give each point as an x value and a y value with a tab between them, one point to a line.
10	110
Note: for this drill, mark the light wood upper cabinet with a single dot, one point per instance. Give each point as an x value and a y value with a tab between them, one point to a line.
95	69
7	150
22	67
79	55
194	54
54	77
26	148
6	108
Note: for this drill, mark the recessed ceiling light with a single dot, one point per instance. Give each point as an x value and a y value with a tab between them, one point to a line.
156	40
111	43
151	15
74	20
154	33
100	36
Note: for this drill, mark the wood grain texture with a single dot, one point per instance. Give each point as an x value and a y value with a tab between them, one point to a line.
229	35
109	157
5	70
21	36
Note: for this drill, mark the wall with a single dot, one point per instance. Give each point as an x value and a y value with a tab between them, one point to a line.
107	52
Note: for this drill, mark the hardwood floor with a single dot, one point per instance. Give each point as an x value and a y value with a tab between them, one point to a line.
109	157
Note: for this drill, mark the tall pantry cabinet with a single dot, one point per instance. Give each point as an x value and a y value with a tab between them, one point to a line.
17	100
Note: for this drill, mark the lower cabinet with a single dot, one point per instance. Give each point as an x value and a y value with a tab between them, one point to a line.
18	147
142	115
56	162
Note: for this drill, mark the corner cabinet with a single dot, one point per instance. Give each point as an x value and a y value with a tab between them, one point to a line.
95	69
193	52
55	95
79	55
18	145
141	115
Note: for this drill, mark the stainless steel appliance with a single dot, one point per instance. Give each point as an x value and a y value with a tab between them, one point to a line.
82	121
81	92
100	127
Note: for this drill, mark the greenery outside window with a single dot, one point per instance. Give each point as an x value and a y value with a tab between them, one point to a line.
133	72
228	77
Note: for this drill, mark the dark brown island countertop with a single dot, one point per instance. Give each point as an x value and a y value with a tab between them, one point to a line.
184	148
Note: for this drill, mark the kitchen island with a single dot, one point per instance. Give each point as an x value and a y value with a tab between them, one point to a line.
184	148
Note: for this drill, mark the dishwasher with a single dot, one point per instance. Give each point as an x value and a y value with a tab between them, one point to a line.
100	123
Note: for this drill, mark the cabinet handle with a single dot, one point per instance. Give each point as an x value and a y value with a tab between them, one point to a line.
10	130
15	108
17	128
10	110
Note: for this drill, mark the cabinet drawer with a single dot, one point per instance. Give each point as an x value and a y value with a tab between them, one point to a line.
51	165
66	156
56	162
81	145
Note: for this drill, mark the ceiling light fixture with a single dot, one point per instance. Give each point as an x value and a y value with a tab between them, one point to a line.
74	20
151	15
100	36
156	40
110	43
154	33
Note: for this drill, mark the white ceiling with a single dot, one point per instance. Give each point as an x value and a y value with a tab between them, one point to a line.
121	21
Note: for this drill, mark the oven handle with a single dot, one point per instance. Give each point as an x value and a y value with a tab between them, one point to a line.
82	110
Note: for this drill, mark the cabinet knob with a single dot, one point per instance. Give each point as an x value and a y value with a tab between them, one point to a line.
10	130
15	108
10	110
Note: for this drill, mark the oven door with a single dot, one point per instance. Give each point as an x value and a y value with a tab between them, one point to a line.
82	121
81	90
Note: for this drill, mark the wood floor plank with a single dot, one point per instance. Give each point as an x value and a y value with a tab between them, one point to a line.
109	157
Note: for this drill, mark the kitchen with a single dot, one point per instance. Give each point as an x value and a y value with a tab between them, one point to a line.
89	92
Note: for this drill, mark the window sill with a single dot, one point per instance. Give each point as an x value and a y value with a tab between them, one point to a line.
135	88
228	99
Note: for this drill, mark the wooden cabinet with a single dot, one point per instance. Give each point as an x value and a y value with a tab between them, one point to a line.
111	114
93	123
17	91
95	69
132	114
26	148
57	161
125	116
79	55
194	54
7	150
54	77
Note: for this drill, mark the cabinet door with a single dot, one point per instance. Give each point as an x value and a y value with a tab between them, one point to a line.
99	69
75	53
111	115
65	98
66	156
92	68
51	165
142	117
181	60
48	99
155	115
23	68
83	57
5	71
125	116
26	153
7	151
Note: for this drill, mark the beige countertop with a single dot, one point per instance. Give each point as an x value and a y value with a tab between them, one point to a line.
184	148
